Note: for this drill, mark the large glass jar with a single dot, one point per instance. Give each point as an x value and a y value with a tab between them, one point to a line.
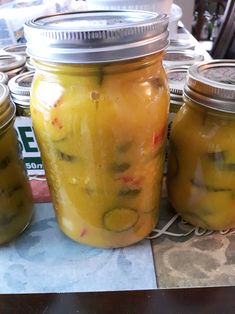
201	169
15	193
99	107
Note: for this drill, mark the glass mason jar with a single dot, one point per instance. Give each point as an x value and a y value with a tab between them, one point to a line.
201	169
15	194
20	87
99	106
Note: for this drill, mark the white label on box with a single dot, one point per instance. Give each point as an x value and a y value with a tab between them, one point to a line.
29	146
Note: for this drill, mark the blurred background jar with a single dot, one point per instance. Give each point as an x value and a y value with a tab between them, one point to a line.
20	89
15	194
201	168
100	117
176	80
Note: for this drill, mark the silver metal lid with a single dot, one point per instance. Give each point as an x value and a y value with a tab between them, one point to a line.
20	85
7	109
9	62
3	78
212	84
181	57
18	49
96	36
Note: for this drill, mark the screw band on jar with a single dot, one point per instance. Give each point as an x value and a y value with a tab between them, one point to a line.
111	36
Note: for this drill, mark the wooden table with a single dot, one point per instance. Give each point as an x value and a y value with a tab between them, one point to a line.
165	301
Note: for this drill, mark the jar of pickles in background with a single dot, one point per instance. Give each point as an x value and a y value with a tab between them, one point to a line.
15	194
201	168
99	106
20	88
176	80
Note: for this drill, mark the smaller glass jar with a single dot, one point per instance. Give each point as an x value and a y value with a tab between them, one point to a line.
15	193
201	168
11	64
20	88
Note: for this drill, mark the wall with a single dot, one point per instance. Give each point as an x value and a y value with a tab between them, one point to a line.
187	7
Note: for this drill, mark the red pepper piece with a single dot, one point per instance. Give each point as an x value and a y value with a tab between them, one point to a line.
132	181
158	137
57	123
83	233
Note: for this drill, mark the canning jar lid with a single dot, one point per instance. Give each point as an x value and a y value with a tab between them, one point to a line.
9	62
7	109
181	57
21	84
176	80
96	36
212	84
3	78
17	49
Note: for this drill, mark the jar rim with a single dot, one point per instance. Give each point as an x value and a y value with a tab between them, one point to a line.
212	84
96	36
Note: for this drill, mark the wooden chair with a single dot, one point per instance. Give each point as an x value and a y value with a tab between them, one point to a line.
224	45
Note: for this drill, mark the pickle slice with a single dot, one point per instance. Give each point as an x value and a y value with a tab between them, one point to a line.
4	162
66	157
120	167
120	219
209	188
129	192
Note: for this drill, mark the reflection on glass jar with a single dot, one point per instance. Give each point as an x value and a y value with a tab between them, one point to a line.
101	130
15	193
201	169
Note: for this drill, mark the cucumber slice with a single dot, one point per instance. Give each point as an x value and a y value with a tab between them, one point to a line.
209	188
66	157
6	220
5	162
14	189
195	219
216	157
120	167
129	192
124	147
120	219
